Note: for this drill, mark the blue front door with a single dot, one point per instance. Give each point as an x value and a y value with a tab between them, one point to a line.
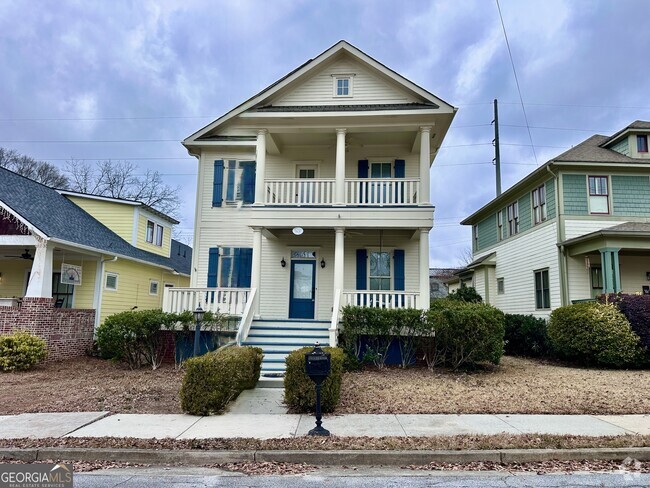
302	290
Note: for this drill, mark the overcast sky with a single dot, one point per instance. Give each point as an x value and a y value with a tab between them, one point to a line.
156	71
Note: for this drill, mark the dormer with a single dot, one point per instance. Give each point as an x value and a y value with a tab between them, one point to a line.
632	141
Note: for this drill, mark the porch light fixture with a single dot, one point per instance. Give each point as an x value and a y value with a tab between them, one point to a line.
283	263
198	316
322	263
297	231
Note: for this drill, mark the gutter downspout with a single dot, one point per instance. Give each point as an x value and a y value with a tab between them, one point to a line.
100	292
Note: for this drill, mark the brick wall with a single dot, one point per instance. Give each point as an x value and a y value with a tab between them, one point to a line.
68	332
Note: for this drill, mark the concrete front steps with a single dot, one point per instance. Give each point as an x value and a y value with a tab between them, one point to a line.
278	338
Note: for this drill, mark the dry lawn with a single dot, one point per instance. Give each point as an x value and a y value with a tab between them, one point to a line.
516	386
90	384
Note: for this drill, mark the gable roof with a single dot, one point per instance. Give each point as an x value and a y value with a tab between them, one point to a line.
55	217
592	151
636	125
310	65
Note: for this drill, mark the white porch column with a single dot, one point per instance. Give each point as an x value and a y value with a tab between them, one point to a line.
340	167
256	271
424	269
40	278
260	168
425	169
339	253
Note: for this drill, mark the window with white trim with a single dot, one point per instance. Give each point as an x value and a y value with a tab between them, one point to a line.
513	218
642	143
153	287
539	204
159	235
379	273
501	286
500	225
110	282
343	85
542	290
151	227
598	195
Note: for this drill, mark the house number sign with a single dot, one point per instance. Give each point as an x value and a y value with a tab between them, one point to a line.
303	254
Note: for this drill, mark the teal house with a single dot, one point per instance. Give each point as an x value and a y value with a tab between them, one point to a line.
574	228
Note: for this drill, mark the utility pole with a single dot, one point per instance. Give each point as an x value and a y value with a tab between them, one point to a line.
497	152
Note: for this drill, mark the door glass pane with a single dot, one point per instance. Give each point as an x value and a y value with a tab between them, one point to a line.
303	274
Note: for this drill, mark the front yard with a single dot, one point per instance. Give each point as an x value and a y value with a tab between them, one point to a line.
516	386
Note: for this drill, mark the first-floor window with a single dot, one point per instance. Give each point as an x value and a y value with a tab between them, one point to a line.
539	204
513	218
111	281
596	281
61	292
542	290
153	287
501	287
150	231
380	277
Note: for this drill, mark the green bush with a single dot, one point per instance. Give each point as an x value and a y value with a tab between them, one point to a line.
21	350
463	334
593	333
299	390
526	335
465	294
213	380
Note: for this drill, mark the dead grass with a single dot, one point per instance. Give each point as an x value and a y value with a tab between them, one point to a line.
90	384
518	385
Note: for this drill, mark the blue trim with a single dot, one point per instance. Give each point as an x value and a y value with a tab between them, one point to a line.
362	269
248	181
230	190
213	267
398	258
217	183
302	308
291	320
262	327
245	267
362	171
400	168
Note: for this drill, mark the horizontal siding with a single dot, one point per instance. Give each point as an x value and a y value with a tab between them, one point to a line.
369	87
574	189
631	196
550	198
633	273
14	276
525	219
116	216
575	227
578	277
142	243
487	232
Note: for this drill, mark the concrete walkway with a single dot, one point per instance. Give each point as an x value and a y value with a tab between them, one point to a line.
259	413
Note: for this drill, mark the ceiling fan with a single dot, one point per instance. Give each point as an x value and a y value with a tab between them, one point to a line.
25	255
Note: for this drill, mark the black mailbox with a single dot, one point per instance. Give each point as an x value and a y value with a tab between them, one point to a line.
318	364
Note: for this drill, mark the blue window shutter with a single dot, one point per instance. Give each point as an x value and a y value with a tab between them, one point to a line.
400	168
398	257
363	168
245	268
217	185
230	188
213	267
248	181
236	267
362	269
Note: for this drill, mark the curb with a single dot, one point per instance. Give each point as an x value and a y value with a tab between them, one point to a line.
324	458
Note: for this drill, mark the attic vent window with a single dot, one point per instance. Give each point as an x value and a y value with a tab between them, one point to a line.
343	85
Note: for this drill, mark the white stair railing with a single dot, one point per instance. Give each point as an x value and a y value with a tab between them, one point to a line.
336	313
381	299
246	318
229	301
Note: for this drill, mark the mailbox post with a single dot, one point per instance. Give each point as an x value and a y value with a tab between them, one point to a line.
318	366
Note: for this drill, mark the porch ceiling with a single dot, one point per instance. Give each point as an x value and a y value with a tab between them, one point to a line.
403	138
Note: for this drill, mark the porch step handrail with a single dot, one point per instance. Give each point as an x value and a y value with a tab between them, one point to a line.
229	301
336	314
381	299
246	318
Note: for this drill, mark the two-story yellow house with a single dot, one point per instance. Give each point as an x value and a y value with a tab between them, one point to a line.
314	194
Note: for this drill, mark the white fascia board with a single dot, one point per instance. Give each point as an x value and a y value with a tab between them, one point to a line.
350	113
31	227
311	65
188	143
17	240
98	197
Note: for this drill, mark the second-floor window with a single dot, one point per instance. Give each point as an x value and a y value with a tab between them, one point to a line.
159	235
154	234
151	227
476	237
513	218
500	225
539	204
642	143
598	195
343	86
234	182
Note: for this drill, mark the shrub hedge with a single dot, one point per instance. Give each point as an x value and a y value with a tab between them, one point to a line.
21	350
299	390
465	294
636	309
593	333
526	335
213	380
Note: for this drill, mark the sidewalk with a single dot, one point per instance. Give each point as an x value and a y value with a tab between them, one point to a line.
260	414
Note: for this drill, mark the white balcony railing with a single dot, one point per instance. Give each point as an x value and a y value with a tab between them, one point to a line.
230	301
358	191
381	299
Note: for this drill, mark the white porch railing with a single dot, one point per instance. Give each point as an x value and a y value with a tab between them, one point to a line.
300	191
230	301
381	299
247	318
384	191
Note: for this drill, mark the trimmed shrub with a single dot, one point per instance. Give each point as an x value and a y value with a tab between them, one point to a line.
300	391
21	350
593	333
636	309
213	380
526	335
463	334
465	294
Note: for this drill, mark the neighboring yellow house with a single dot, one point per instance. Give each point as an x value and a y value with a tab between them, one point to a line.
85	251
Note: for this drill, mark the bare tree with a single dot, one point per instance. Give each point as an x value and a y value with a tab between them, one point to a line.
120	179
41	171
465	256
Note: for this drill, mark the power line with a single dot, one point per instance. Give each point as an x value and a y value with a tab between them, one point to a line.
93	141
115	159
521	99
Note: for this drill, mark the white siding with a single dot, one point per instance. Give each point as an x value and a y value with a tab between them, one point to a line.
576	228
633	273
368	87
579	280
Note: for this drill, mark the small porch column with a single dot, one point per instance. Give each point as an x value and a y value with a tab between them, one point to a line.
611	270
260	167
424	269
256	268
339	194
425	169
40	278
339	253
